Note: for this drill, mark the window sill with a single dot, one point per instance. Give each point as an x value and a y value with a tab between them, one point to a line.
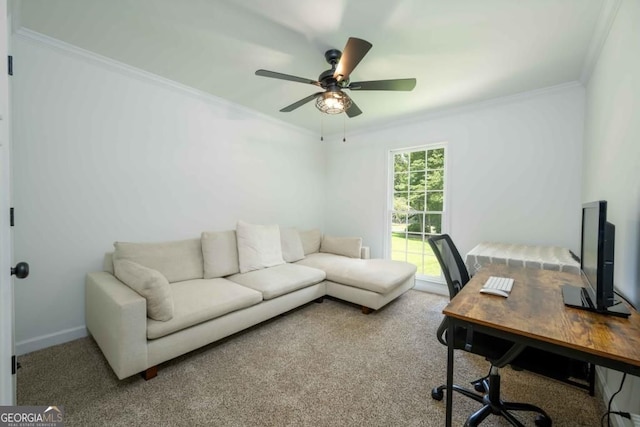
432	287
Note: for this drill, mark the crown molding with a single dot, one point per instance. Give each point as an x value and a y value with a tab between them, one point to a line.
130	71
606	17
145	76
468	108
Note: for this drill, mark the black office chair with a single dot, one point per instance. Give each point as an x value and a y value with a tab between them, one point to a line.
497	351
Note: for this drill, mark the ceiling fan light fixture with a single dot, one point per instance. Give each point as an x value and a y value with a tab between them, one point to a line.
333	102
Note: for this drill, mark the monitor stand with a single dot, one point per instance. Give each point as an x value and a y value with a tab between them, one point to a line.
578	297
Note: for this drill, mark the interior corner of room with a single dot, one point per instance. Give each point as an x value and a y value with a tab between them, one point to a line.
106	147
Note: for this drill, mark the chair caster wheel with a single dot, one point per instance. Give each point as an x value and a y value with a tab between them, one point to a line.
543	421
479	387
437	393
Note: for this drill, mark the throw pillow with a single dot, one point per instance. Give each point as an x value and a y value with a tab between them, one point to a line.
177	260
258	246
150	284
310	241
345	246
292	249
220	252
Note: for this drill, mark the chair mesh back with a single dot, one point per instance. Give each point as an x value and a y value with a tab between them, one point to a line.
453	268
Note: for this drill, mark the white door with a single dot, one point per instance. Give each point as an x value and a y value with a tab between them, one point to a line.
7	378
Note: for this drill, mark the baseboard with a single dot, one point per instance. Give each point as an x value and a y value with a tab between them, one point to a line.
606	393
44	341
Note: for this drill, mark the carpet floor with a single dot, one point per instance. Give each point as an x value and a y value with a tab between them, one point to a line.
320	365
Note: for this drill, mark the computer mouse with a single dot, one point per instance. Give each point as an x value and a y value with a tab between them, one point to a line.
497	292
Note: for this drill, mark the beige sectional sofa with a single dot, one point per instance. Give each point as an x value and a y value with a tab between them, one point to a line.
156	301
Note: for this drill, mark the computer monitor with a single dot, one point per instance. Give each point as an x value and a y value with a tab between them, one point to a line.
597	253
597	245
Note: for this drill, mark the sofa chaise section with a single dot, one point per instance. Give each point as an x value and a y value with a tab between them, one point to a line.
371	283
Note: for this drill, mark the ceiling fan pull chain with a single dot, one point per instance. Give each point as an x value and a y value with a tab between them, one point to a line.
321	128
344	129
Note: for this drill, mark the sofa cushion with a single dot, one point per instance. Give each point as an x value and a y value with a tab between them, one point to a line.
279	280
220	253
292	249
345	246
310	240
150	284
177	260
258	246
377	275
196	301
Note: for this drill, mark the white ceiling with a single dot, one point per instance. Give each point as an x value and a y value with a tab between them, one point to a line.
460	51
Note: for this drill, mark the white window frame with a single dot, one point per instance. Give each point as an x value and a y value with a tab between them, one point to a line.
390	190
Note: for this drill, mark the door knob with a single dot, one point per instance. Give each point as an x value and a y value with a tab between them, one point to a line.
21	270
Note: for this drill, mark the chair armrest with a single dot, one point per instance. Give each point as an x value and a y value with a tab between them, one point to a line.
116	317
442	330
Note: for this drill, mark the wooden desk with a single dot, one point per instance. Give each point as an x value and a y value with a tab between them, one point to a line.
535	315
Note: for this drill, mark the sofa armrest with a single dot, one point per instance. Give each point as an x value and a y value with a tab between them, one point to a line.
365	253
116	317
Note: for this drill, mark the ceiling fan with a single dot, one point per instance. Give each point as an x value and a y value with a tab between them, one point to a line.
333	100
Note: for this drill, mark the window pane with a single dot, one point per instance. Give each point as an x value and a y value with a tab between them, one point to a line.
435	201
398	256
435	158
401	162
415	246
398	222
416	255
400	182
415	223
431	265
418	162
417	201
433	224
400	202
435	180
415	259
398	242
417	181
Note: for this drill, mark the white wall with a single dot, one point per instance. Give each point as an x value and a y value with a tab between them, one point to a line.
514	171
102	153
612	161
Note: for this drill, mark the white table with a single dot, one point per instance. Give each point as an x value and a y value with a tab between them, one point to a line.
541	257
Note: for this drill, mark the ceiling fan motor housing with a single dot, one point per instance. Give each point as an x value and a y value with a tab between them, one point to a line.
333	56
327	79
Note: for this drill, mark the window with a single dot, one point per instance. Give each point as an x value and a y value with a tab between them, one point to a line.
417	206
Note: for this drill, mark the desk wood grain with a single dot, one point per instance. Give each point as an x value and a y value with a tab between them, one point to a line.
535	309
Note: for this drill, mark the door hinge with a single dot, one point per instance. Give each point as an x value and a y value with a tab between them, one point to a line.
10	65
11	217
15	365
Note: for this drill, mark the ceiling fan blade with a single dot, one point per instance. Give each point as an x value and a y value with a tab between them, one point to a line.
274	75
353	110
300	103
352	54
397	84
